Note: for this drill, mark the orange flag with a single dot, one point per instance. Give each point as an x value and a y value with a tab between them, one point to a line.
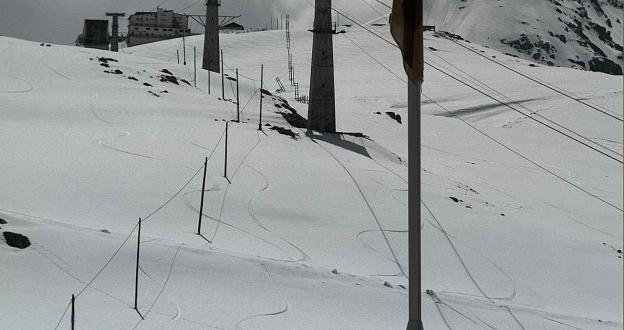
406	25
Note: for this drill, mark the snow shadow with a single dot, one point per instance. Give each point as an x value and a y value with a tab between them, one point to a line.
340	140
468	111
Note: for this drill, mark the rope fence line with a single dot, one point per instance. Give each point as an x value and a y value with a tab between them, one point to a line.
112	257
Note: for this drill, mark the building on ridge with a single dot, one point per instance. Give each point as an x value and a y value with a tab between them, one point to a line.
146	27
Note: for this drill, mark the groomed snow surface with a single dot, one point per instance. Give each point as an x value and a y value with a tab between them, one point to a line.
508	243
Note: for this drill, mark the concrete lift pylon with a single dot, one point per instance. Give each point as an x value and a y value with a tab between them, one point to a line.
212	24
322	106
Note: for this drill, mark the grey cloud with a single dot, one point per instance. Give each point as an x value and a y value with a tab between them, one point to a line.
60	21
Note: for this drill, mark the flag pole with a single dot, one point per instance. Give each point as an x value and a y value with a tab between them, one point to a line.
406	25
414	197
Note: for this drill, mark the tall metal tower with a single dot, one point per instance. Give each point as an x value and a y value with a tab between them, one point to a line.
211	37
114	41
322	107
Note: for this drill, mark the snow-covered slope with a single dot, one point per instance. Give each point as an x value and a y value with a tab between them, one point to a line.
582	34
91	144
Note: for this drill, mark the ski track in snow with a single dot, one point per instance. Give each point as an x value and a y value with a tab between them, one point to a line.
370	247
211	241
281	311
185	138
448	237
127	134
304	256
367	202
190	205
160	292
74	277
17	91
58	73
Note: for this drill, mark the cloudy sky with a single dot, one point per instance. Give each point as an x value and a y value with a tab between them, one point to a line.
60	21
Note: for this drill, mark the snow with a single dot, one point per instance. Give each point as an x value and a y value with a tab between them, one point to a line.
563	32
86	151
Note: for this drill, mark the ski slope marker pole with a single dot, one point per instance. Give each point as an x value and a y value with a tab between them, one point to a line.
261	95
201	204
73	313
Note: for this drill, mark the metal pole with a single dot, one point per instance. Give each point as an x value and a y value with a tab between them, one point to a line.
178	55
222	78
201	205
261	95
184	48
73	313
414	156
237	100
195	66
136	279
208	82
226	145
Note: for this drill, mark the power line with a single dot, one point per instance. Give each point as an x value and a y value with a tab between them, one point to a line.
492	138
533	79
479	82
482	92
373	8
189	6
526	115
383	4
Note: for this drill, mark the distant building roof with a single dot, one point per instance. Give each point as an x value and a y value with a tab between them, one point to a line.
232	26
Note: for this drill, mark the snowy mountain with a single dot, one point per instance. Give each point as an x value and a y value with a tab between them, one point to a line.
522	226
582	34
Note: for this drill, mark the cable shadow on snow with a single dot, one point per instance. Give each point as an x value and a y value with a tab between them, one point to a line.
468	111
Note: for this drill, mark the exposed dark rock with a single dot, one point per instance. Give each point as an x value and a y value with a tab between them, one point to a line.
16	240
106	59
449	35
147	85
166	71
355	134
154	94
579	63
133	78
387	285
185	81
335	271
294	118
603	64
454	199
265	92
523	43
105	65
170	79
394	116
285	131
3	222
